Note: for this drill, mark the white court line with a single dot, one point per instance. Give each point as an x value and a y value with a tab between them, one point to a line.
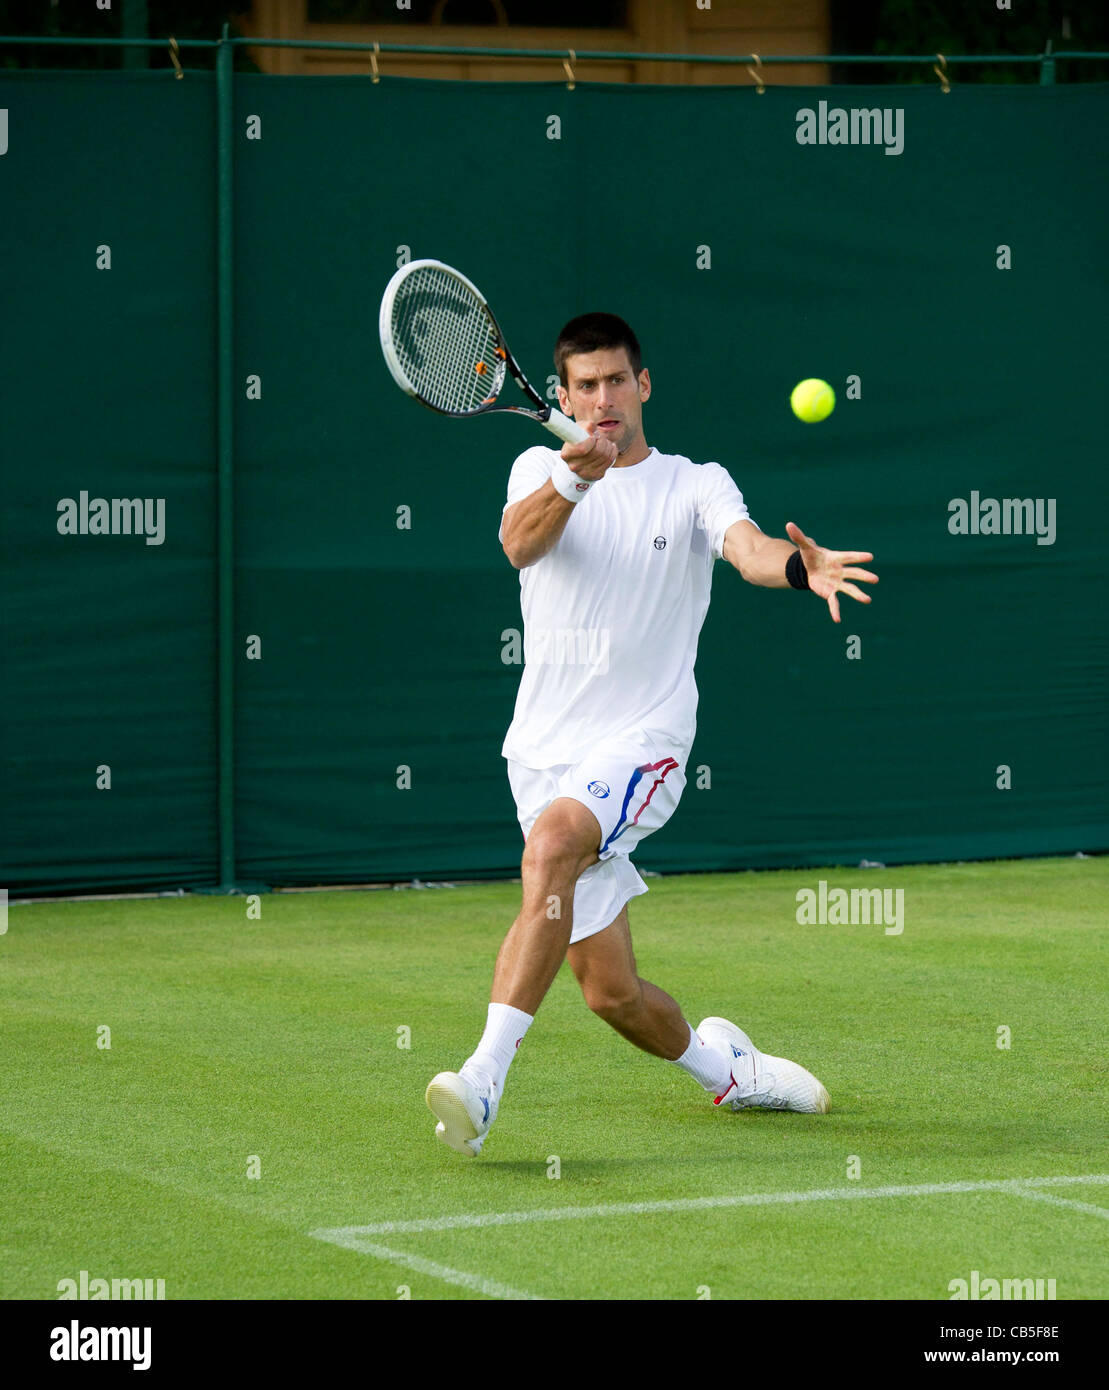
1087	1207
474	1282
752	1199
356	1237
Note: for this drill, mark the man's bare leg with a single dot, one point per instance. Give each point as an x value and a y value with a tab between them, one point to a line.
639	1011
562	844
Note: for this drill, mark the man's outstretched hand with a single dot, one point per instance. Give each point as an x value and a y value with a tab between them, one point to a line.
830	570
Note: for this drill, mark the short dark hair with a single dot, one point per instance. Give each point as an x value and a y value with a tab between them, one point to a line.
595	333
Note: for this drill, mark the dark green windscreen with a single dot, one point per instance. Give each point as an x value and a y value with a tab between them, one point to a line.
745	261
108	389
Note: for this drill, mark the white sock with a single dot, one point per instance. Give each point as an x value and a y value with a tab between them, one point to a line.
709	1068
504	1032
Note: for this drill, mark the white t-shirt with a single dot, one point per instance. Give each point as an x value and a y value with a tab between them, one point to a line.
613	612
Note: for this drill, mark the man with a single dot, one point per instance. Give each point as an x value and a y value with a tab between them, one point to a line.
615	543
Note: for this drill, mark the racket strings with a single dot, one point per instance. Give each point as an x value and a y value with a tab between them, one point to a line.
446	342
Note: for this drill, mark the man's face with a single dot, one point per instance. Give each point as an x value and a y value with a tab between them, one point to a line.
603	390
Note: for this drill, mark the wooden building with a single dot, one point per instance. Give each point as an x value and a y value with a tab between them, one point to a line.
702	27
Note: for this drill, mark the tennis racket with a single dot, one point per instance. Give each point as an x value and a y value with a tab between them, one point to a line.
444	347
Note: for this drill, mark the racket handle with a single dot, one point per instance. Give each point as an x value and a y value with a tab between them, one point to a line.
565	428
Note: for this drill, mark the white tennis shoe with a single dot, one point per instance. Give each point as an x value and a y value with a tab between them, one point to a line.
465	1110
760	1081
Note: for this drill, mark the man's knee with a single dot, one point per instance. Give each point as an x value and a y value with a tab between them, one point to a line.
559	847
615	1001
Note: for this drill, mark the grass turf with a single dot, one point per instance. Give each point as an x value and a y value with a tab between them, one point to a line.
277	1038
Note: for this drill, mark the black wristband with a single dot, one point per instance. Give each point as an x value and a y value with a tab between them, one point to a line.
796	572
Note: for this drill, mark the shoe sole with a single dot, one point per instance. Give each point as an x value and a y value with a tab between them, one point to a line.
458	1130
823	1099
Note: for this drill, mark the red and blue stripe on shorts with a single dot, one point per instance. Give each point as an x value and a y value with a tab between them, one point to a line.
661	770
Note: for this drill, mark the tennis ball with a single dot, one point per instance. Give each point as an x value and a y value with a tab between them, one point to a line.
812	400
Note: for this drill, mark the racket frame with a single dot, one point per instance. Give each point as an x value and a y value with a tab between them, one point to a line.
543	414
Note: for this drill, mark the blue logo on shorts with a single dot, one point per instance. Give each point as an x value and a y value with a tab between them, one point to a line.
598	789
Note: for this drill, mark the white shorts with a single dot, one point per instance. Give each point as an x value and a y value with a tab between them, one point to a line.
632	787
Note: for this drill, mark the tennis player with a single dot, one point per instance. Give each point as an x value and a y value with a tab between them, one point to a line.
615	544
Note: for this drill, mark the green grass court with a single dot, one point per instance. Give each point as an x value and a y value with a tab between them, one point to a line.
277	1038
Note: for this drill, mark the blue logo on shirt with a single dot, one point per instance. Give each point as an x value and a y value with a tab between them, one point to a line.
599	789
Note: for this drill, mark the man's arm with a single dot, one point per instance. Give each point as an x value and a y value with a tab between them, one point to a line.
762	560
532	526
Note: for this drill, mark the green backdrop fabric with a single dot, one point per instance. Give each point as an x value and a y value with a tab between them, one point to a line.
108	389
746	261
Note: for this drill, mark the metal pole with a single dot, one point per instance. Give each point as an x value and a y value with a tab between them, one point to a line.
1047	67
600	55
224	444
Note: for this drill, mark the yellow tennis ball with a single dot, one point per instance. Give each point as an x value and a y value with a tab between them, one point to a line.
812	400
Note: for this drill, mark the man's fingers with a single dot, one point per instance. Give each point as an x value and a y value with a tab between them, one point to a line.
833	607
583	448
854	592
845	557
589	452
861	574
603	455
586	446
